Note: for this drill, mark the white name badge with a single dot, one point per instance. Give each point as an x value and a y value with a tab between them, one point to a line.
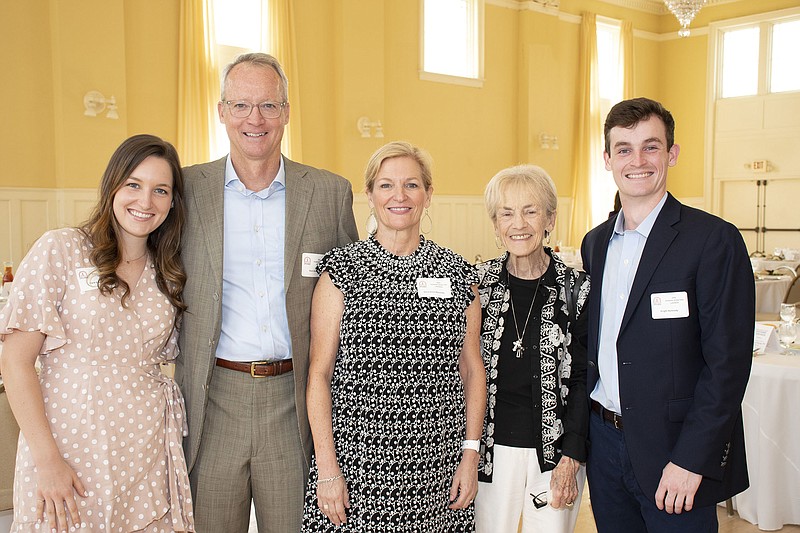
434	288
87	279
310	262
669	305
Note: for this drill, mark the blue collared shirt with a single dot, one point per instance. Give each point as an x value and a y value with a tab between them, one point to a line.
254	322
622	261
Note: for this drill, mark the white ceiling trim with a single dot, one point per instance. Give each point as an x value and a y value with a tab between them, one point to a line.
651	6
656	7
551	7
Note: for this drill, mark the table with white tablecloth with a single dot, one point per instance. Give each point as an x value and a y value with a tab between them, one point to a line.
770	265
771	414
770	292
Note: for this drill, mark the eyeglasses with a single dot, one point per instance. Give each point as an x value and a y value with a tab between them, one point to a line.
539	500
242	109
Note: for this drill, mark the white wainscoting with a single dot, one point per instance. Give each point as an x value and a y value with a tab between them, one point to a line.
27	213
461	224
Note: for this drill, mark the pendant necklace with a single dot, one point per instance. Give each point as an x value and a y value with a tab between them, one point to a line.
518	347
129	261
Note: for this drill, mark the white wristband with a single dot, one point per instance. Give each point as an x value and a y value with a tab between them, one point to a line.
471	445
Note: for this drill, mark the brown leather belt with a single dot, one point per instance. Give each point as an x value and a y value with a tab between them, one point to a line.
608	416
258	369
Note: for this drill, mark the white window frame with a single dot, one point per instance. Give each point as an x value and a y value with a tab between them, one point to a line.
476	32
765	21
219	145
714	85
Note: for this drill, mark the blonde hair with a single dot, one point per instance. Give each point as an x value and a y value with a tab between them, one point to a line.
398	149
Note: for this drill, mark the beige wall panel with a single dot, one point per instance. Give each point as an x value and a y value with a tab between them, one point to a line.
783	204
37	217
734	153
740	114
5	235
782	111
27	213
461	224
75	206
738	199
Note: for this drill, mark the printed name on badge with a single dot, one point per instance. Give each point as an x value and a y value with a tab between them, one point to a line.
669	305
87	279
434	288
310	262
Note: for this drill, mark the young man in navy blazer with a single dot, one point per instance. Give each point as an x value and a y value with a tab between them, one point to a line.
671	320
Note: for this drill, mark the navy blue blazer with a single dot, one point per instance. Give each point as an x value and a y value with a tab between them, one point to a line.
682	380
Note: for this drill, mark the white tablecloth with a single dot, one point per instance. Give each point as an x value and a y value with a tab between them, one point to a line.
770	293
771	413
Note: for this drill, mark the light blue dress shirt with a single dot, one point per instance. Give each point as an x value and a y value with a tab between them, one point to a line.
622	261
254	322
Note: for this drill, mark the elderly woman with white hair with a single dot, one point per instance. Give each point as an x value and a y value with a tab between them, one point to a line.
533	345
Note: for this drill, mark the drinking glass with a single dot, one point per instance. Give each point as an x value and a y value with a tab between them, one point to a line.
787	333
788	312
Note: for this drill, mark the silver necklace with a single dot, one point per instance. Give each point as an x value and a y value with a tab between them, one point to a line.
518	347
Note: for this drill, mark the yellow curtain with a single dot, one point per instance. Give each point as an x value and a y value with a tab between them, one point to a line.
589	128
283	47
198	82
626	59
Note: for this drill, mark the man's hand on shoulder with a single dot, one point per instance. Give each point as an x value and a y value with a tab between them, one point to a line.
676	490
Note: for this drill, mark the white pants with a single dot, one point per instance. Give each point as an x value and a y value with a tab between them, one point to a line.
500	504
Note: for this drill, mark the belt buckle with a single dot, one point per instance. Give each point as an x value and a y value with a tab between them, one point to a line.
253	368
617	421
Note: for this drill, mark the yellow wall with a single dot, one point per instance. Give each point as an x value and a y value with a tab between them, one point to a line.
27	132
356	58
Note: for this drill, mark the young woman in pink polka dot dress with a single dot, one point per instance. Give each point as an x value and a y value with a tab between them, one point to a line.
101	426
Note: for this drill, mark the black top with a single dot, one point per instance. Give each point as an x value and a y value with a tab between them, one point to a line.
518	408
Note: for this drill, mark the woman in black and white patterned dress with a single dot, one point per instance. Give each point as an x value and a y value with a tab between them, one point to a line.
396	386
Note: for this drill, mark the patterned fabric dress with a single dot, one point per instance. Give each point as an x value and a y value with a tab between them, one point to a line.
398	400
117	420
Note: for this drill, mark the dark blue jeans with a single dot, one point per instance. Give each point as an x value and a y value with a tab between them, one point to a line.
618	504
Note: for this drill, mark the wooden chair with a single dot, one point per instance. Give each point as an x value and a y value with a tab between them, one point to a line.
793	294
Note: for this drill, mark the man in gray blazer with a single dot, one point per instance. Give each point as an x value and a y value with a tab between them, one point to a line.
257	223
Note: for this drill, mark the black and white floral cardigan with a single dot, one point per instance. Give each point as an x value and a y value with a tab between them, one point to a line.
565	415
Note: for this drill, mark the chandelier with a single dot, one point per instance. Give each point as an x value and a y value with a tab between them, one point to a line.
684	11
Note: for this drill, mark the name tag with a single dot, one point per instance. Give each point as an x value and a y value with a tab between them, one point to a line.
765	339
669	305
87	279
310	262
434	288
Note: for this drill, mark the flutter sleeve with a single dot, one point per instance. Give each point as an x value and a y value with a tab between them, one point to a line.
38	289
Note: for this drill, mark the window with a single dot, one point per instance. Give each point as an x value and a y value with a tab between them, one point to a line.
452	36
785	66
740	62
240	26
609	79
760	58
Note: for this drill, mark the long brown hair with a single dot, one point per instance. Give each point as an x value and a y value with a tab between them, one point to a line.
103	230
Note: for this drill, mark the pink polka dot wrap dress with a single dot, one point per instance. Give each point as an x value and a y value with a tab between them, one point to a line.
117	420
